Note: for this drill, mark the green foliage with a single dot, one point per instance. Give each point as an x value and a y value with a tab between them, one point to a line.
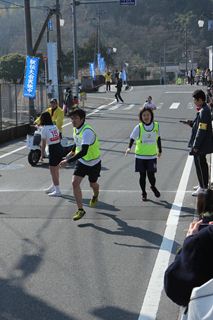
86	54
12	67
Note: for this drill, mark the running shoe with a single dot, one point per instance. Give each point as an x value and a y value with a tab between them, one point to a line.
55	194
199	191
79	214
195	187
156	192
93	202
50	189
144	196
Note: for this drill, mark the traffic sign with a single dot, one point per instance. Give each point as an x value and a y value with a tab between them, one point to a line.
128	2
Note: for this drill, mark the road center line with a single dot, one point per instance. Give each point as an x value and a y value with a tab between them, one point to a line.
153	293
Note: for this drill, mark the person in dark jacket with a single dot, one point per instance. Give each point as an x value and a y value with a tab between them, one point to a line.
118	92
201	140
193	265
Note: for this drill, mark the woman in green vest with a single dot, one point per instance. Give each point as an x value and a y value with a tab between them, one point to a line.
146	135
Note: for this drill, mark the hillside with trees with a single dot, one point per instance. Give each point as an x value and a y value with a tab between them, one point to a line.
151	33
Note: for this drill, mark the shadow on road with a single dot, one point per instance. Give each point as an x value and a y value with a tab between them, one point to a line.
125	230
115	313
16	303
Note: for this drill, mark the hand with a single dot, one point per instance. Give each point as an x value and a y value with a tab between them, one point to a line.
127	151
194	227
193	151
63	163
159	155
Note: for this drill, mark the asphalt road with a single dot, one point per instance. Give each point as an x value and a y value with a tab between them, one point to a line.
110	264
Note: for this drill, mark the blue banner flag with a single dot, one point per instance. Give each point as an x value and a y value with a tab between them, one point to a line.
102	65
99	61
31	74
123	75
92	69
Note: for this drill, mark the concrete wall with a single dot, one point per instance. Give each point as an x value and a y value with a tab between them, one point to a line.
13	133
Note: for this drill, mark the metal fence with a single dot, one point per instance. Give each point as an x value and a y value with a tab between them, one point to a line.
14	107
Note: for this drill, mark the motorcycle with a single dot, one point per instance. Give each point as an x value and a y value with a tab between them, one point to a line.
34	145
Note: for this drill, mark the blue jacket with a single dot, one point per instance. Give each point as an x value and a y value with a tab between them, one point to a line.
193	266
202	137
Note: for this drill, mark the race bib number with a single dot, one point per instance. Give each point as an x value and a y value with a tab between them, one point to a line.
149	138
54	135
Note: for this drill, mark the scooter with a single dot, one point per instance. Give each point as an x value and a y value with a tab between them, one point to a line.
34	145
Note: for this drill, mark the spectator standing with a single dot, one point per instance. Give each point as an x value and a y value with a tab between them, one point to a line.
208	77
50	136
108	80
149	104
201	140
67	100
116	76
147	150
86	153
193	265
50	89
57	115
118	91
192	76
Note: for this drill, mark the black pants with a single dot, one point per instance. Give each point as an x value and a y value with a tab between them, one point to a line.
108	86
142	180
202	170
118	96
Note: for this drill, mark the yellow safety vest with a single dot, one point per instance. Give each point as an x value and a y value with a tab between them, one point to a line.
94	149
146	144
57	117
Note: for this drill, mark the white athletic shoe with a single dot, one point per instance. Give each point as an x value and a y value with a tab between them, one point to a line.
50	189
199	191
55	194
196	187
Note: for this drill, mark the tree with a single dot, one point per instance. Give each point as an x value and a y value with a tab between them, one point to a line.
12	67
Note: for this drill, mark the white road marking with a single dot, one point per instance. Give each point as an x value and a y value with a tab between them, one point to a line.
160	105
177	92
11	152
130	107
174	105
115	107
153	293
89	190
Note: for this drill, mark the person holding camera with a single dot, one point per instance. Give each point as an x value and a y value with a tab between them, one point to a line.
193	265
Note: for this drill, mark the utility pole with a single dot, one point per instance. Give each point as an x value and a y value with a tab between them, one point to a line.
75	3
98	29
29	45
58	30
186	49
75	51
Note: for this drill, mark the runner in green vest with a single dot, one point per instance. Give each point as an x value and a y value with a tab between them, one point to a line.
86	153
148	148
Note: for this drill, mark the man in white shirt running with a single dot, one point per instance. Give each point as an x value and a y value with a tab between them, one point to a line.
86	151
